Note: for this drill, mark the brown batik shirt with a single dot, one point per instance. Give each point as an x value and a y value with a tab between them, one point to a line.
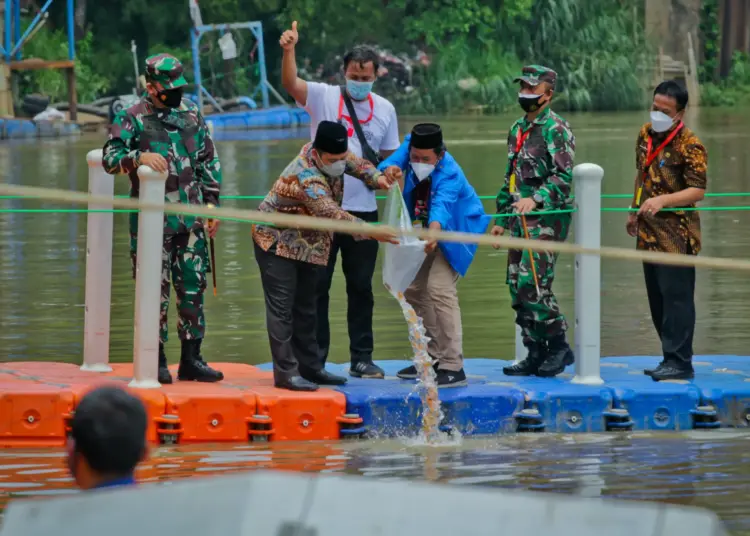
304	190
681	164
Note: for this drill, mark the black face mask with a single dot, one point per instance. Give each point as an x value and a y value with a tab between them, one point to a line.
530	103
171	98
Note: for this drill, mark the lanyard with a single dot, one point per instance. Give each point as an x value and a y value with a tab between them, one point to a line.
520	139
350	130
650	156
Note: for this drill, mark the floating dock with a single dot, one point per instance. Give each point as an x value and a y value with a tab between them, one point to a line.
24	129
38	399
277	117
276	123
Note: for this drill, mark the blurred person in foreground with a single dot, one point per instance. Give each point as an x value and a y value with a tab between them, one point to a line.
108	439
167	133
439	197
671	174
538	178
292	259
372	129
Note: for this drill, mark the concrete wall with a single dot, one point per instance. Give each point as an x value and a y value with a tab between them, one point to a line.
669	21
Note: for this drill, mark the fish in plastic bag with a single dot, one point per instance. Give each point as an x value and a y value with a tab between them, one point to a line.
402	261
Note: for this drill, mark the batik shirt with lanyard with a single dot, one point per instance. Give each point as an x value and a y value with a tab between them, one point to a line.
650	157
677	163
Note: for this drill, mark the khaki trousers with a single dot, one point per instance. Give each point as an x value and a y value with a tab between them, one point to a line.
434	296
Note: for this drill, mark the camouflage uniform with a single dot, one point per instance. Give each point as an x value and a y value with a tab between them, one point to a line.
182	137
542	170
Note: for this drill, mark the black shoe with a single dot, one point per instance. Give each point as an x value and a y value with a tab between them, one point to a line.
673	372
323	377
192	367
163	376
366	369
560	356
659	368
530	365
451	378
410	373
297	383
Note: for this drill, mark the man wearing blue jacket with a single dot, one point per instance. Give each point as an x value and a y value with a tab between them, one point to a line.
439	197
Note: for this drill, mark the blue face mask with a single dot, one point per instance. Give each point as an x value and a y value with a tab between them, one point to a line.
358	90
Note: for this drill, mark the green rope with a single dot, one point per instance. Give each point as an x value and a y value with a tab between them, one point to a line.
59	210
497	216
537	213
729	194
483	197
85	211
687	209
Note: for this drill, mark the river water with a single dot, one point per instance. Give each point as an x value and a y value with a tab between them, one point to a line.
42	270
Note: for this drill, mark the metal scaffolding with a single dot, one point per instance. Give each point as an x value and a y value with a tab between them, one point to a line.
11	49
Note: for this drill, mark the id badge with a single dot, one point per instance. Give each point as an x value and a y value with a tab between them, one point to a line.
417	224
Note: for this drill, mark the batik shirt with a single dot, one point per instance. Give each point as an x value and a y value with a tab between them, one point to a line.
681	164
304	190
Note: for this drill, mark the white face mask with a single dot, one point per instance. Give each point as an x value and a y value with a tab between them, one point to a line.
334	170
422	171
660	121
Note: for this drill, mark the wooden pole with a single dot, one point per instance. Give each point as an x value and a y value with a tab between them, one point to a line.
695	90
6	99
661	66
6	96
72	93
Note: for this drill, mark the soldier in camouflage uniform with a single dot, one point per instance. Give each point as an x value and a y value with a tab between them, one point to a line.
538	177
168	134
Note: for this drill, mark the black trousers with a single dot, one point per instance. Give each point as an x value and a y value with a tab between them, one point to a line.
671	297
358	258
289	290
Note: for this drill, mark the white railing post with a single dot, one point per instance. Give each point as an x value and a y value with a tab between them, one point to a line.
521	351
148	280
587	221
99	226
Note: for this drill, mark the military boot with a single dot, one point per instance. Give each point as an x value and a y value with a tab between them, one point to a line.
164	376
560	356
530	365
192	367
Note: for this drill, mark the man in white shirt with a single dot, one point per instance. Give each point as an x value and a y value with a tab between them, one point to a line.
375	121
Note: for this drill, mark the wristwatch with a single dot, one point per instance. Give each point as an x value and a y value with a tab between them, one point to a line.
538	199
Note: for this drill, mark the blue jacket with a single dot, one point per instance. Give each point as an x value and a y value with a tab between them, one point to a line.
453	203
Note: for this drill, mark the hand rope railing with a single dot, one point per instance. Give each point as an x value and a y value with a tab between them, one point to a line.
338	226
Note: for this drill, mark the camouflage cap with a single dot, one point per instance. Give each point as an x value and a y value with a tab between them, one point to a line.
165	69
535	74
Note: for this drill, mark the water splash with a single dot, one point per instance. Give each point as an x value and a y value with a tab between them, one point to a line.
432	414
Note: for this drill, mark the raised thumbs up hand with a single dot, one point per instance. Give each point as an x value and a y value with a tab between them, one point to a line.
289	38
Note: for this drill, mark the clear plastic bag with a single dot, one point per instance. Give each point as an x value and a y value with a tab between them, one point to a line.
401	262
